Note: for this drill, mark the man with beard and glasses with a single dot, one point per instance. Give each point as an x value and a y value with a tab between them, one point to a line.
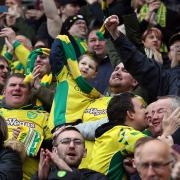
67	153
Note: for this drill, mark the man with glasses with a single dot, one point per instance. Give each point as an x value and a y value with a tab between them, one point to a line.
63	161
156	162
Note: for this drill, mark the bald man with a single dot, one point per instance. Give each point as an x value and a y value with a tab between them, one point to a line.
156	162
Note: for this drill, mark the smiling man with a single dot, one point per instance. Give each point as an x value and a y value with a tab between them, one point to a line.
121	80
24	121
156	111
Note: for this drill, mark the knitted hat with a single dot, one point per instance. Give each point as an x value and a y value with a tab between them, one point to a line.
71	20
174	38
78	2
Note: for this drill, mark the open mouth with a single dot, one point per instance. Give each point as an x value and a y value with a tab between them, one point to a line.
84	72
71	154
16	95
117	78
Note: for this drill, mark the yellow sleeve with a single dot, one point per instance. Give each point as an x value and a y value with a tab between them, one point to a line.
21	53
130	138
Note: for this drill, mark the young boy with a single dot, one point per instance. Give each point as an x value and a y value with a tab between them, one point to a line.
73	93
88	66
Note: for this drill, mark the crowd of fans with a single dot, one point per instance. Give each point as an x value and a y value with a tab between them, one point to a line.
89	89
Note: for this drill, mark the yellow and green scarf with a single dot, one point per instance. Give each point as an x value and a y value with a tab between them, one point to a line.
46	79
71	60
161	14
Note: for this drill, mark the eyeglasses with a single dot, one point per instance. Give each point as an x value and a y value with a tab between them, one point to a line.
67	141
175	47
155	165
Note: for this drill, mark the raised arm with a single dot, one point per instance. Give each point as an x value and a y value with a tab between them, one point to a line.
146	71
54	21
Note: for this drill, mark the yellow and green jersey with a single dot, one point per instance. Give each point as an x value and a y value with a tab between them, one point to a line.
95	111
73	93
34	130
69	101
112	144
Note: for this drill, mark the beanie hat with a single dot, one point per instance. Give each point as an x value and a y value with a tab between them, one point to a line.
174	38
71	20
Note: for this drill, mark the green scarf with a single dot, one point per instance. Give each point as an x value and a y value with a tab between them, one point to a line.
161	14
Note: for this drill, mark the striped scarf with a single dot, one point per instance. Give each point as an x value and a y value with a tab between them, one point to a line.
71	60
46	79
161	14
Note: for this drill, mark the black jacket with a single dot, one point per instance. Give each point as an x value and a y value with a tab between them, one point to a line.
150	74
10	165
76	174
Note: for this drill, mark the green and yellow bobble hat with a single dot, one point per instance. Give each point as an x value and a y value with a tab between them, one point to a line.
46	79
71	60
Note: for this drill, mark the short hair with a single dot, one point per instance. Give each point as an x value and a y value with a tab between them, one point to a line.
68	128
18	75
175	101
118	107
96	28
92	56
3	131
154	30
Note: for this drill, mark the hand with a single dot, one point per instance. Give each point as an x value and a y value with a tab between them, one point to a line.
111	23
9	46
60	163
128	166
167	139
150	17
9	34
172	123
44	165
174	54
36	80
16	132
157	56
154	6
